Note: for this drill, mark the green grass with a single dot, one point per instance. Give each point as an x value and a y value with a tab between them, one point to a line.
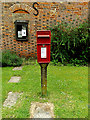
67	89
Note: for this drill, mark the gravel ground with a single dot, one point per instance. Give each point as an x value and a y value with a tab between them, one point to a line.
18	68
11	99
14	79
41	110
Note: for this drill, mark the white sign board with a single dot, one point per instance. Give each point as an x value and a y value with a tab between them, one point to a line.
19	34
43	52
23	32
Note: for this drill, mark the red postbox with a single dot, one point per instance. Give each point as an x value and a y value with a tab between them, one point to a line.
43	46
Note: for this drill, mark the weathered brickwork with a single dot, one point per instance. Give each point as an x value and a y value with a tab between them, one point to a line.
50	14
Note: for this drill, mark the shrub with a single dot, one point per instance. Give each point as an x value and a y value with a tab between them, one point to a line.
69	45
10	59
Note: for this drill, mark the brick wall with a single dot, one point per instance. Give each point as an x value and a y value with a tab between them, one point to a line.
73	13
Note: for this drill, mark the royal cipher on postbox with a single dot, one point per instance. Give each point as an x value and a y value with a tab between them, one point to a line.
43	46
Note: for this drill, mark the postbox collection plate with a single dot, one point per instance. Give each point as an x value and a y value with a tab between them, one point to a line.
43	52
43	46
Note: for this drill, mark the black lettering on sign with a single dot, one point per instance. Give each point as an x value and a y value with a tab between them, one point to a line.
35	8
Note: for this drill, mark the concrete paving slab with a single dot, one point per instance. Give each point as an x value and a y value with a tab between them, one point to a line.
11	99
17	68
41	110
14	79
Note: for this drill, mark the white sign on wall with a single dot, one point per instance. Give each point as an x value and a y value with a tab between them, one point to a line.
19	34
23	32
43	52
